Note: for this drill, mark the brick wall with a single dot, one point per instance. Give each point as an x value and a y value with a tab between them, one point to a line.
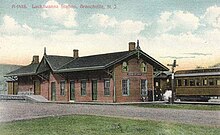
88	96
135	92
45	89
25	84
100	91
57	78
101	97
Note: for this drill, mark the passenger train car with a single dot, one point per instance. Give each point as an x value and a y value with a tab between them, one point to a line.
197	84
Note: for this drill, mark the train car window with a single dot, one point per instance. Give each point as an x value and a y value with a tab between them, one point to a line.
198	82
204	82
185	81
211	82
218	82
179	82
192	82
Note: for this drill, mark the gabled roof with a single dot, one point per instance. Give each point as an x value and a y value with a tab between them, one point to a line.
56	62
156	64
60	64
25	70
100	61
103	61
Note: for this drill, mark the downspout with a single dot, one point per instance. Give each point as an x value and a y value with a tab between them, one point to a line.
114	86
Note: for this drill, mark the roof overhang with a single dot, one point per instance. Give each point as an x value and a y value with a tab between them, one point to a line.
79	69
151	60
154	62
22	74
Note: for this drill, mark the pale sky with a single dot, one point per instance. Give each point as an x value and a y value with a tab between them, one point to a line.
185	30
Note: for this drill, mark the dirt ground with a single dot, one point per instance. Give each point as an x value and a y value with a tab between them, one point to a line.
11	111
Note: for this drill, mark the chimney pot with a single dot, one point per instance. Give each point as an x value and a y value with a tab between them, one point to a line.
131	46
75	53
35	59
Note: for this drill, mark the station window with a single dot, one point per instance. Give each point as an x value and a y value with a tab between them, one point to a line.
144	87
143	67
83	87
62	88
125	87
192	82
107	87
124	66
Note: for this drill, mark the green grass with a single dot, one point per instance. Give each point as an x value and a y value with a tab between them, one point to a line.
95	125
181	106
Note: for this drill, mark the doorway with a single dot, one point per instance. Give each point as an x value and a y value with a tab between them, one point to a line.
53	91
36	87
94	89
72	90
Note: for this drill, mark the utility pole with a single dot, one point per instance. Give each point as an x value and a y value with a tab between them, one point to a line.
172	79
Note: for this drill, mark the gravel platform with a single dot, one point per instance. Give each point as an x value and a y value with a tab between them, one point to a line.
11	111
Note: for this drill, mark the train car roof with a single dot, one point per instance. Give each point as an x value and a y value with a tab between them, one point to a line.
198	72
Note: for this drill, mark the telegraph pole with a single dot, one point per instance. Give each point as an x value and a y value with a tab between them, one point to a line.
172	79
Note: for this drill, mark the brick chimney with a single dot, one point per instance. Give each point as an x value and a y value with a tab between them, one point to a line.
35	59
131	46
75	53
45	51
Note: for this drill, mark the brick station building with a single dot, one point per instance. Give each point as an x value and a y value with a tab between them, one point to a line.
112	77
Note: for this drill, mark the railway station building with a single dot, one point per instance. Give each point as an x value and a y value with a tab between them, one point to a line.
124	76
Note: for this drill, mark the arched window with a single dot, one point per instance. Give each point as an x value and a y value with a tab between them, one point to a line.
143	67
125	66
